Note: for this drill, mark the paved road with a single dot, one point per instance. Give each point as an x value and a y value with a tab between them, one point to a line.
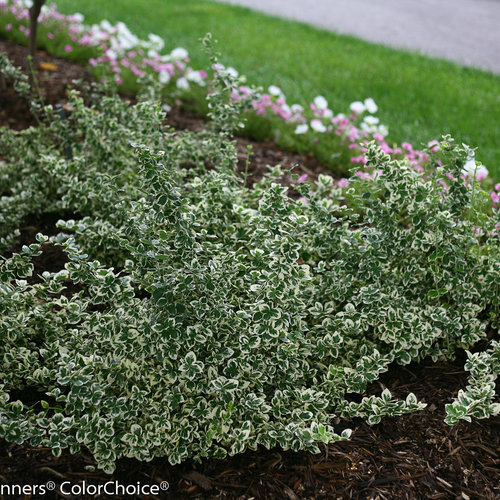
466	31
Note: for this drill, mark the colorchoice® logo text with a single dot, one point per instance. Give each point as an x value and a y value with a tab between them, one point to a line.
66	488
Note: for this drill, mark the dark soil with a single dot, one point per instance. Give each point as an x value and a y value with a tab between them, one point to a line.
14	112
412	457
263	153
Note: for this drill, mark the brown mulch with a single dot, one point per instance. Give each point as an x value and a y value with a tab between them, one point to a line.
14	112
412	457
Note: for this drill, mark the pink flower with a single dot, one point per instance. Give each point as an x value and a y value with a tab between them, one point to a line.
243	90
497	187
362	175
8	27
302	178
495	198
343	183
68	48
434	145
359	159
136	71
50	35
445	186
85	40
481	174
385	147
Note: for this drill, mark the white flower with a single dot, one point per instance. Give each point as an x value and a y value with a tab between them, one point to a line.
179	53
318	126
156	41
371	120
182	83
116	46
195	77
122	29
96	34
297	108
125	38
77	17
152	54
370	105
358	107
320	102
340	116
327	113
106	25
302	128
166	107
383	130
286	108
112	54
470	167
218	67
164	77
232	72
275	91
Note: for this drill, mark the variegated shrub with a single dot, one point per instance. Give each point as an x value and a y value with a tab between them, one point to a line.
206	318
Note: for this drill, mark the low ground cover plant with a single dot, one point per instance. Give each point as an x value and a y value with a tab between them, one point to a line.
197	317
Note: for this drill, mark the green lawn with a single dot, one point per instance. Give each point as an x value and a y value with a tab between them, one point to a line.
419	98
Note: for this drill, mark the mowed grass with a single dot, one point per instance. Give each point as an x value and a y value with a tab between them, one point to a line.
419	98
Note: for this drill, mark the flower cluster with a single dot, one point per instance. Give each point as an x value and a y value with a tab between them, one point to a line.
116	47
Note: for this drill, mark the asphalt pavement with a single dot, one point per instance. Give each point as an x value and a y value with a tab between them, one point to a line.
464	31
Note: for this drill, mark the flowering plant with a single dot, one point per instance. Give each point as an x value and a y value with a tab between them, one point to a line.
107	47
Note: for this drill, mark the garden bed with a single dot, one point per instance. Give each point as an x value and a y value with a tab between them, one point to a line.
414	456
